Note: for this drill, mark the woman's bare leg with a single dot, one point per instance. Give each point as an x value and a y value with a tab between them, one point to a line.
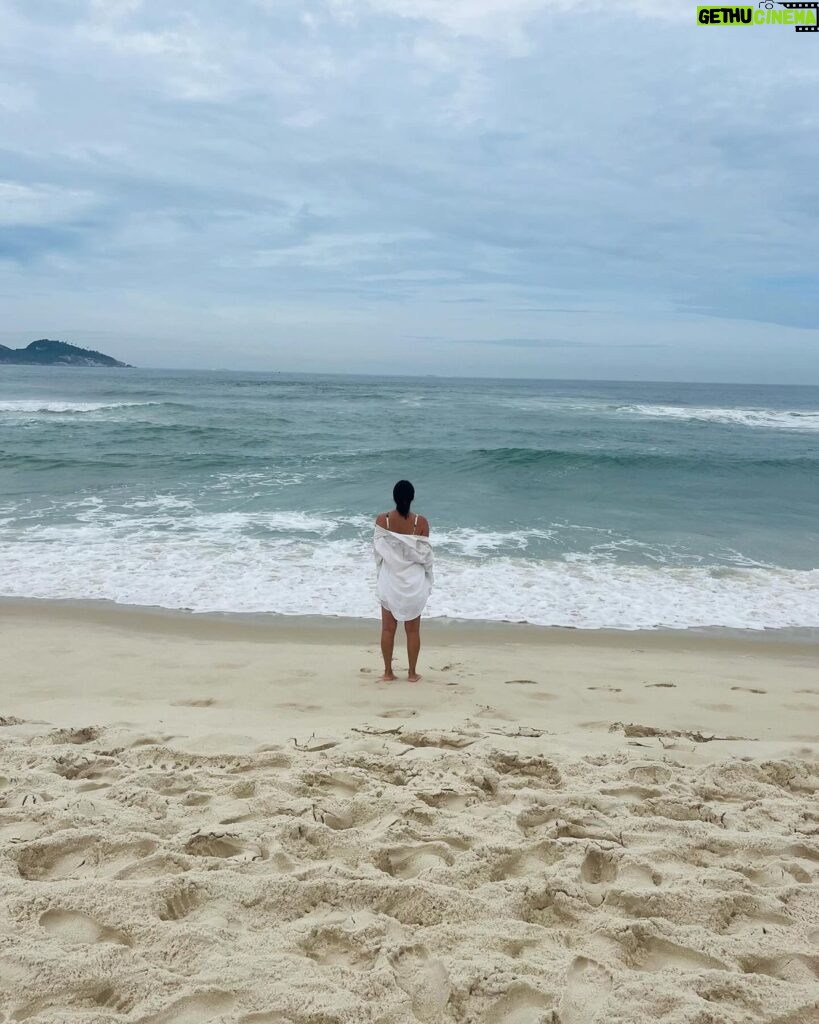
388	628
413	629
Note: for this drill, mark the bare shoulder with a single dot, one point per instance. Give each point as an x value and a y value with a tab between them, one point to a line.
381	519
423	526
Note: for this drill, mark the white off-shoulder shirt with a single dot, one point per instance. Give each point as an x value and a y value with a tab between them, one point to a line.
403	564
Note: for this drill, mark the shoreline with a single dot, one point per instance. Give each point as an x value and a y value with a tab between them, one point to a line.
275	627
247	680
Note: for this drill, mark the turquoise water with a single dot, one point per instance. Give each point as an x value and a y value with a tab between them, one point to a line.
567	503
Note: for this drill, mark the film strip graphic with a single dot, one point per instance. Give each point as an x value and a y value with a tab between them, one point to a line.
814	6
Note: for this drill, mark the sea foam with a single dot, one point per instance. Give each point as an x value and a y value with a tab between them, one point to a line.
229	569
771	419
34	406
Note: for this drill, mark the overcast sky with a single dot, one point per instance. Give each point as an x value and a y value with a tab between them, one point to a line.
556	188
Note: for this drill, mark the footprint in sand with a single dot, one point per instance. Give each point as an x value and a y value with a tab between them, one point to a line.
73	926
748	689
79	857
798	970
773	873
588	985
336	783
398	713
91	768
192	798
520	682
460	689
752	918
412	861
652	953
598	867
180	904
487	711
109	999
424	979
606	689
334	946
224	846
448	800
105	997
205	702
531	860
85	735
655	774
520	1005
664	686
194	1009
506	762
803	851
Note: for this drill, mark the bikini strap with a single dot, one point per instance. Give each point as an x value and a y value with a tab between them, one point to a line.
388	520
414	526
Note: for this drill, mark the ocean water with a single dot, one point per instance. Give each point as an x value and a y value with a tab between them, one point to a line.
560	503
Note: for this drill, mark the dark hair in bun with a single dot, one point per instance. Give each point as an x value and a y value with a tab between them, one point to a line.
403	495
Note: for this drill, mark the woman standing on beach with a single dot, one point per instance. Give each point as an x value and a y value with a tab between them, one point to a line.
403	558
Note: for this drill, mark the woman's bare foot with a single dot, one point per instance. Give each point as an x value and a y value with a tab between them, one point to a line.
387	677
413	677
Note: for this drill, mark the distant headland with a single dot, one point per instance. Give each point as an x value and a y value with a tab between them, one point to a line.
56	353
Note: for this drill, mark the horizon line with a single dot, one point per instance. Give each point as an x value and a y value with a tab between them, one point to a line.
414	376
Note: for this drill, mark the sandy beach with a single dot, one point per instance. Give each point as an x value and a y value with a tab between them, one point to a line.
228	819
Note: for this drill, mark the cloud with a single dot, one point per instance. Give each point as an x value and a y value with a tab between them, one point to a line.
504	22
335	172
545	343
14	99
534	343
40	204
